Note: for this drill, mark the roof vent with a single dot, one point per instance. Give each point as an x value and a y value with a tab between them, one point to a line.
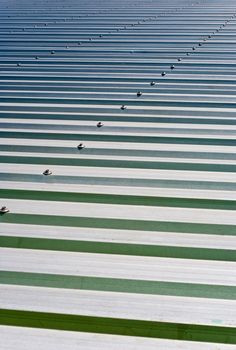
47	172
4	210
139	93
163	74
99	124
81	146
123	107
172	66
52	52
152	83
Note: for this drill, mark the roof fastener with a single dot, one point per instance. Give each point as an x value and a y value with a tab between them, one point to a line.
47	172
18	64
81	146
99	124
123	107
179	59
199	44
172	66
163	73
193	48
139	93
152	83
4	210
52	52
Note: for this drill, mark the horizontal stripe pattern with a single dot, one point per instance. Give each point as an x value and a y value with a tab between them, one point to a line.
20	338
130	242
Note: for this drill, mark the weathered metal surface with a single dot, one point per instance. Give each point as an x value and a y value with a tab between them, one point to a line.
130	232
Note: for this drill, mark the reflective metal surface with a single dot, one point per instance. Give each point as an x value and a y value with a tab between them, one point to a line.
118	161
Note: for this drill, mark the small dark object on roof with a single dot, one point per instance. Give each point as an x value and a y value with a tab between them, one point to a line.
99	124
123	107
4	210
81	146
47	172
152	83
172	66
163	74
139	93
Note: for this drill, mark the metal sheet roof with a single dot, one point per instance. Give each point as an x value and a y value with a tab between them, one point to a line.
129	242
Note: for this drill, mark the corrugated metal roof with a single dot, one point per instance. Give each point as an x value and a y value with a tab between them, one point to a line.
129	242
